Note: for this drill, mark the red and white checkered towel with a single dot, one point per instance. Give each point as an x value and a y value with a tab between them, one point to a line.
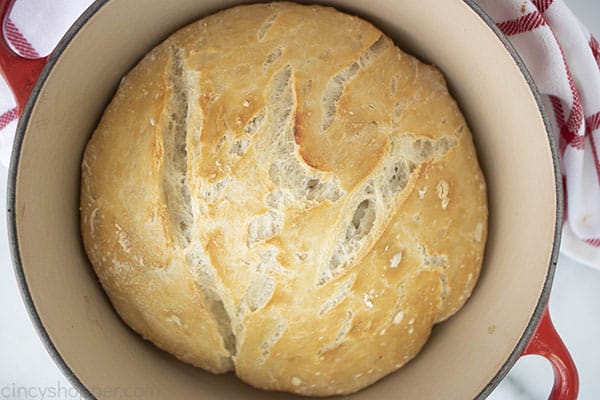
564	60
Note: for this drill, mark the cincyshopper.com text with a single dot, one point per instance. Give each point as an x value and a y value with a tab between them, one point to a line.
59	391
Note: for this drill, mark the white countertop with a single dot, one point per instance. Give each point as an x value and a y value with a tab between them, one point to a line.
574	305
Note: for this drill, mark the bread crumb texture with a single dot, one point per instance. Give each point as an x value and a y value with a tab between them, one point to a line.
279	191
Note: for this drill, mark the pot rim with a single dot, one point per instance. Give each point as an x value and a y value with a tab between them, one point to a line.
14	166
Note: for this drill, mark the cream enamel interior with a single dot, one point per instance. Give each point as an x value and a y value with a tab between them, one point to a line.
462	355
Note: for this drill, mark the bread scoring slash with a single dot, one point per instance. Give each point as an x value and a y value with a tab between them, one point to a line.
279	191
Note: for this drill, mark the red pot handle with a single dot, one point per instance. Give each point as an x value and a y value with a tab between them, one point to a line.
547	343
20	73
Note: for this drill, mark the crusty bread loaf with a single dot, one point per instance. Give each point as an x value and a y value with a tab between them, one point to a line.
278	190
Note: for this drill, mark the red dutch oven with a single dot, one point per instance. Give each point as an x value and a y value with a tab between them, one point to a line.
60	99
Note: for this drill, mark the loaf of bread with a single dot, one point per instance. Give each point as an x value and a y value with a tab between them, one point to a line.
279	191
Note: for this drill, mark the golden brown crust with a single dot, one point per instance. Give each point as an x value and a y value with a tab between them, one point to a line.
279	190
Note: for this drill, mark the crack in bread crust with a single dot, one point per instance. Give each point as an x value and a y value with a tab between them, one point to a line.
176	191
336	86
288	170
377	199
179	204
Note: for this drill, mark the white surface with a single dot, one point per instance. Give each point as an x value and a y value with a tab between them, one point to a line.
27	372
579	250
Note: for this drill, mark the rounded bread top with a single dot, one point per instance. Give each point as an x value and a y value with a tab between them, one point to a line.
279	190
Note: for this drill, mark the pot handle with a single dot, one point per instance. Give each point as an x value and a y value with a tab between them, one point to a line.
547	343
20	73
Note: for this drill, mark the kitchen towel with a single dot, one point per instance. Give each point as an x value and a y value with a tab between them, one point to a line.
562	56
564	61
